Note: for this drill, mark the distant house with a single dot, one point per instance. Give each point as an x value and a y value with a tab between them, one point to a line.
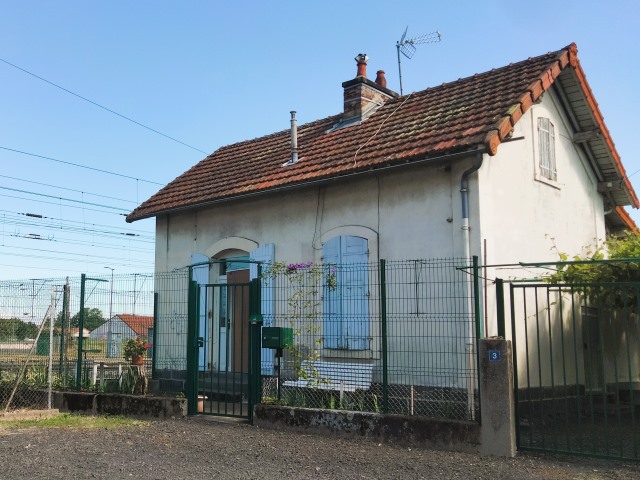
75	333
122	327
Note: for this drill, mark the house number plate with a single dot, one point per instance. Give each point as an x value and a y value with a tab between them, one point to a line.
494	355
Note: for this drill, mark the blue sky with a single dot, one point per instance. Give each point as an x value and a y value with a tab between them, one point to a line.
213	73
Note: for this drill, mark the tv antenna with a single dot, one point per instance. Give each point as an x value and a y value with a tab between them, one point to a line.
407	46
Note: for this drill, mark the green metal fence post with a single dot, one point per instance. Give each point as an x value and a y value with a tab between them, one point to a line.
476	298
83	278
478	320
383	318
155	334
192	347
500	307
255	339
514	352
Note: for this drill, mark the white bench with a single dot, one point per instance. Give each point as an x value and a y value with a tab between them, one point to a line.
341	377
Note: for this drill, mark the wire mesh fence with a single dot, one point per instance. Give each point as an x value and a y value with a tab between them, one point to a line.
72	333
395	337
170	345
390	337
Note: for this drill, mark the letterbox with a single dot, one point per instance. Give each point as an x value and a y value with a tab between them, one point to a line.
277	337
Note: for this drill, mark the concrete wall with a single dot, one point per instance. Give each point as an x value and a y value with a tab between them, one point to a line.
493	435
394	429
119	404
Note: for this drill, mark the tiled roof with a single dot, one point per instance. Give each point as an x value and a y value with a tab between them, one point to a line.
470	113
623	221
138	323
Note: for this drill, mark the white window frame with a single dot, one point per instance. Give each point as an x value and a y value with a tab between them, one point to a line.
547	149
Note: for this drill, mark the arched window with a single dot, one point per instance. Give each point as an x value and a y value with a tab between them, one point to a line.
346	302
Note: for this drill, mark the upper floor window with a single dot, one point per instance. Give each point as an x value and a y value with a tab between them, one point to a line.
547	149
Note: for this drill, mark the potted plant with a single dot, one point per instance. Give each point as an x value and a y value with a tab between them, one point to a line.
134	349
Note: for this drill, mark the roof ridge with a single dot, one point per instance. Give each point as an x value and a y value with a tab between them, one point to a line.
493	71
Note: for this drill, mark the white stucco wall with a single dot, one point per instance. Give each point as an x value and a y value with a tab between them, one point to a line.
407	214
411	213
527	218
522	214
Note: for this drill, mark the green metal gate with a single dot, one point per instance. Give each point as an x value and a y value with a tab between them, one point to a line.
577	368
223	362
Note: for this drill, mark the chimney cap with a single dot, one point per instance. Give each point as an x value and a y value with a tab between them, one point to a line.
362	59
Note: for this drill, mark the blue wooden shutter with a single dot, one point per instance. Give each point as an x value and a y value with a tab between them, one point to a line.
201	275
266	254
346	309
355	292
331	299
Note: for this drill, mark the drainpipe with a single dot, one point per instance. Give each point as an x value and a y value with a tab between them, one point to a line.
464	189
471	357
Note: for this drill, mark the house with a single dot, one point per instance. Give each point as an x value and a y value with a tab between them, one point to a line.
494	165
122	327
75	333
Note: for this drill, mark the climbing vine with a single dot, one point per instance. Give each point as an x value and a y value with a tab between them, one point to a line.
303	283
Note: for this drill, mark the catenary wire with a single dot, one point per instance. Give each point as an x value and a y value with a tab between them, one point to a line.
28	192
44	157
101	106
67	189
71	254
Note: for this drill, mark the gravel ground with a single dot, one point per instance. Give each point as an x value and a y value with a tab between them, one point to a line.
199	447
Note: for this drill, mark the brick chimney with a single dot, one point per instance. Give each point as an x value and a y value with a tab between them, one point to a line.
362	97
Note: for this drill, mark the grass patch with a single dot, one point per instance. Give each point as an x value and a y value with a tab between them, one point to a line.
67	420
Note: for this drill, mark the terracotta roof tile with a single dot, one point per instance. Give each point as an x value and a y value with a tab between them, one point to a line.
470	113
138	323
626	220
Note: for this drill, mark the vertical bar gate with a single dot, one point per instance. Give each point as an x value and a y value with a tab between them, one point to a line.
222	363
577	368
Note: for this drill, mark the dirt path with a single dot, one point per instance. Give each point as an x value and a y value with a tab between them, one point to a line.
200	448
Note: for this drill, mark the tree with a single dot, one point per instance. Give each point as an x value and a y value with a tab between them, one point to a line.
16	329
606	282
93	318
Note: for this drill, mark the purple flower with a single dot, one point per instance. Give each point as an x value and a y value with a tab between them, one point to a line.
293	267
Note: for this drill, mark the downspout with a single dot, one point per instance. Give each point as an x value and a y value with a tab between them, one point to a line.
471	331
464	189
